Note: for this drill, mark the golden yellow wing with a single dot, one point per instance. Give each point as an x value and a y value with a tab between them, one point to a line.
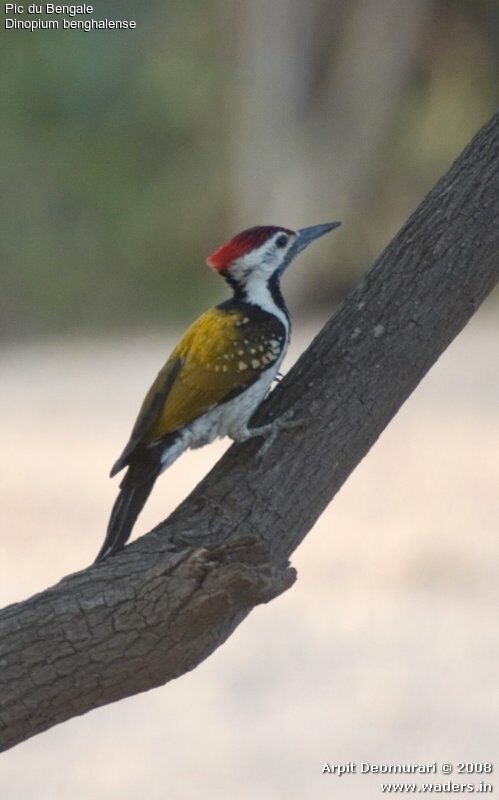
222	353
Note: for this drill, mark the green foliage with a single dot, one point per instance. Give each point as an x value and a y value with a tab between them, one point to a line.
115	147
110	172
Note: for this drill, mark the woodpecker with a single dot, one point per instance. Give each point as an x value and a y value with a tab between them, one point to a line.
218	374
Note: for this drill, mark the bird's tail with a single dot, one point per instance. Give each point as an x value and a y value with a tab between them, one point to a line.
126	509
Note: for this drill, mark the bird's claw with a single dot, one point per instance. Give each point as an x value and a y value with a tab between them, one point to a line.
283	423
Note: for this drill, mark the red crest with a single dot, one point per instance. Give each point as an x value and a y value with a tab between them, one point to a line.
243	243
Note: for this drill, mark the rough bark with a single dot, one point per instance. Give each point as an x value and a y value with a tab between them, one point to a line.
163	605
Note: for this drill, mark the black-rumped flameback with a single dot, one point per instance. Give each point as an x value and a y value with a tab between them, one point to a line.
218	374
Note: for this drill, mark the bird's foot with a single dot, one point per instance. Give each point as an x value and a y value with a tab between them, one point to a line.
268	432
271	431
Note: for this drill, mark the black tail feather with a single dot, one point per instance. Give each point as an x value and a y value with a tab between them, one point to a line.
126	509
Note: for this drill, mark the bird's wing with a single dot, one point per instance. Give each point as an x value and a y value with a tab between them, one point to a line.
150	410
220	355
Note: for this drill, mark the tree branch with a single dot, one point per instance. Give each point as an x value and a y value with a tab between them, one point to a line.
163	605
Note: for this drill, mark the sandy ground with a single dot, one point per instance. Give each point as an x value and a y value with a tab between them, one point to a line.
387	648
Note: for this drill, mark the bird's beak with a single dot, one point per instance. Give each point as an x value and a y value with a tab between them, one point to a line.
307	235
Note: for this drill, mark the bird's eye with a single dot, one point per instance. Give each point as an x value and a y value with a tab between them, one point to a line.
282	241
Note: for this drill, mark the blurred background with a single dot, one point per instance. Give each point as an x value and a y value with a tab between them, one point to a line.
126	158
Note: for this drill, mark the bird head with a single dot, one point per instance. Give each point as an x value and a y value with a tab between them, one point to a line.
263	252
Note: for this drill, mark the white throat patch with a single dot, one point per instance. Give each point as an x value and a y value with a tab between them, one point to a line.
258	293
